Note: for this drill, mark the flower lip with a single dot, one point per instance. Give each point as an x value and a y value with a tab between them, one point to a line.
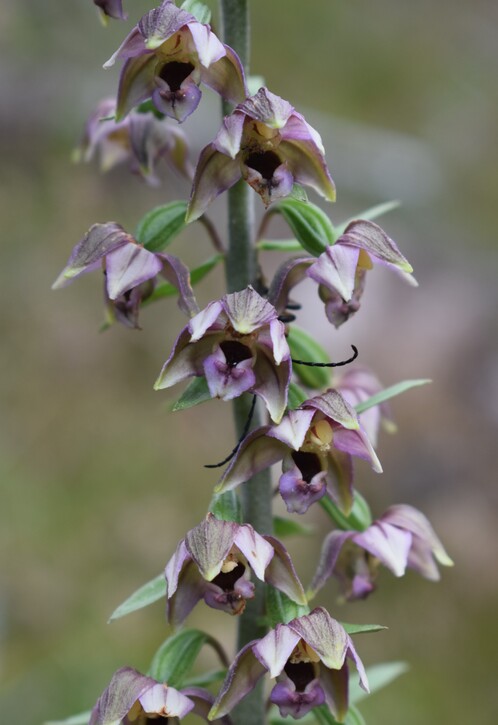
265	162
235	352
308	463
175	72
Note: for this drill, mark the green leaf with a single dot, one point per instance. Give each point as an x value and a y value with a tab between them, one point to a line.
149	593
323	715
175	657
311	226
283	527
362	628
205	679
279	245
198	10
81	719
354	717
304	347
297	396
378	677
161	225
196	392
369	214
226	506
389	393
280	608
166	289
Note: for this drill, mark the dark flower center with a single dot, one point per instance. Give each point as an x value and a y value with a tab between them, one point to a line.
226	580
174	73
301	674
265	163
235	352
308	464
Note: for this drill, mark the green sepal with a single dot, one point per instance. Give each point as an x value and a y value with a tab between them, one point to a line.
283	527
81	719
161	225
362	628
311	226
304	347
296	396
149	593
177	654
280	609
379	676
166	289
389	393
226	507
199	10
359	519
369	214
196	392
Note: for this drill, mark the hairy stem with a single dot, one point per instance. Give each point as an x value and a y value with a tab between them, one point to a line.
242	270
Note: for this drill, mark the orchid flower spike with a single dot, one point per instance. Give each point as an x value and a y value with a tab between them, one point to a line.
167	55
134	698
307	656
239	344
140	139
214	562
130	271
315	443
268	144
402	538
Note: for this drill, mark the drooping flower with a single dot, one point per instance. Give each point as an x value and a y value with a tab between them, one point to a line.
268	144
315	443
402	538
167	55
341	269
307	656
214	562
134	698
140	139
239	344
111	8
130	270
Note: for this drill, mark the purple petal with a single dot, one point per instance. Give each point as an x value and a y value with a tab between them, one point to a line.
230	599
209	48
324	635
178	103
215	173
356	443
308	167
388	543
175	566
226	77
247	310
161	23
299	494
229	137
336	687
272	383
191	589
131	47
276	647
112	8
257	550
331	548
178	274
352	654
256	453
165	701
288	275
340	480
241	678
204	320
335	268
280	346
293	428
297	129
267	108
296	704
186	359
334	406
281	574
209	544
225	380
128	266
409	518
119	697
136	83
370	237
270	188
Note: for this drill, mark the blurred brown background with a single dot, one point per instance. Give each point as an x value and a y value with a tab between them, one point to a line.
99	480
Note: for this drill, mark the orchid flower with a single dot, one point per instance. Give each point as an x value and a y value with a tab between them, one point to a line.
111	8
167	55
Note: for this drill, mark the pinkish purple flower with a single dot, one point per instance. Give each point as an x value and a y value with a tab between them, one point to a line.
111	8
214	562
239	344
315	443
140	139
135	698
268	144
341	269
402	538
130	270
307	656
167	55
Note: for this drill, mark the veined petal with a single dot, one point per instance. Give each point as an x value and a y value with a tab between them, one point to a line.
229	136
409	518
288	275
388	543
352	654
335	684
324	635
281	574
340	479
293	428
209	544
89	252
334	406
136	83
356	443
247	310
276	647
226	77
191	589
215	173
206	318
255	548
178	274
175	566
132	46
369	236
256	453
226	381
331	548
165	701
209	48
186	359
308	166
267	108
272	383
241	678
127	267
280	346
119	697
161	23
335	268
297	129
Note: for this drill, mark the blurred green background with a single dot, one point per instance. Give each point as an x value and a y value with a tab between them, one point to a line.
99	480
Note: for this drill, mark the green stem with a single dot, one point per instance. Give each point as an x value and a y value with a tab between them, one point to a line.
242	270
